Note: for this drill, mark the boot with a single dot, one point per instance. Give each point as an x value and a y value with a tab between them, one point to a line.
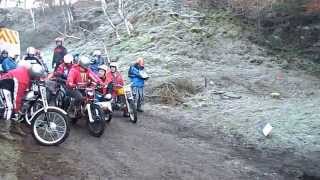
5	130
16	128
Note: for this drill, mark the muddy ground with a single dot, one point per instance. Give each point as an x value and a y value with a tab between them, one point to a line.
160	146
211	129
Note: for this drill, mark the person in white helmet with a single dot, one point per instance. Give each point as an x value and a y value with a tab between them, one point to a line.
96	61
63	70
13	86
80	74
59	52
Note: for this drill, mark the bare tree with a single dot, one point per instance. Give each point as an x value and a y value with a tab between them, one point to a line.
104	8
127	23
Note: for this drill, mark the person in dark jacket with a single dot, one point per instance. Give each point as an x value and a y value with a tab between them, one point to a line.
59	53
9	63
137	79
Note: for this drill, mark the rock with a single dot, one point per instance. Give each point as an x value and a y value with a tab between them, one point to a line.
256	61
196	29
275	95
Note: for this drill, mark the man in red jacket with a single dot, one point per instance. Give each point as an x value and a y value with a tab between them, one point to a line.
13	86
80	75
64	68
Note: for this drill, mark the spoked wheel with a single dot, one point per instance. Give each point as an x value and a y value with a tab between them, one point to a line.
97	127
50	128
133	114
34	108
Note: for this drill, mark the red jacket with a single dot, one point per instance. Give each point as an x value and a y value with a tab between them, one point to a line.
63	70
76	77
22	81
115	78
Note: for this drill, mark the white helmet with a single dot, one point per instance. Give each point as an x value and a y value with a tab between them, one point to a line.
31	50
104	67
37	71
97	53
68	58
84	61
25	64
114	64
59	39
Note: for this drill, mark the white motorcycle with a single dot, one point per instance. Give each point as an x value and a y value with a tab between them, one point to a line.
50	125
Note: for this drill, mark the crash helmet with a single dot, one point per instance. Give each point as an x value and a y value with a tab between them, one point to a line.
37	71
104	67
84	61
68	59
97	53
31	51
59	39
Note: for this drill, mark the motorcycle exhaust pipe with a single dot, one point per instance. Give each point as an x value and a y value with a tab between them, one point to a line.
89	113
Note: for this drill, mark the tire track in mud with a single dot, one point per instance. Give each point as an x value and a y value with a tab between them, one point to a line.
157	147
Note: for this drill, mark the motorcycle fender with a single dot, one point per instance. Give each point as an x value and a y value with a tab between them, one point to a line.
49	107
89	113
105	105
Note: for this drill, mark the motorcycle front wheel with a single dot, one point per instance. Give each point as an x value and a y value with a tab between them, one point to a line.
97	127
133	114
50	128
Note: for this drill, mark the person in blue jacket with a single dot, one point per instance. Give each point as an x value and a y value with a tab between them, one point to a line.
96	61
137	80
9	63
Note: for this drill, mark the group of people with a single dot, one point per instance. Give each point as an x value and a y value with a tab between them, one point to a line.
75	69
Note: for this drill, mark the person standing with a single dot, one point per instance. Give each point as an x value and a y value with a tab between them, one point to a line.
59	52
137	77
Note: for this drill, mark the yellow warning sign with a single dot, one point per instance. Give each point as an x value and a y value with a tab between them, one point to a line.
9	36
9	40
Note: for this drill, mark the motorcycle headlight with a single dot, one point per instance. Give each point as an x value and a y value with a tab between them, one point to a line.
108	97
90	93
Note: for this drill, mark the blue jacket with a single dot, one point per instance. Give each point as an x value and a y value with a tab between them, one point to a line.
95	63
135	77
8	64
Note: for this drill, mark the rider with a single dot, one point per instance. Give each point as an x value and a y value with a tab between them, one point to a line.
9	63
64	68
59	53
80	75
13	88
31	56
137	81
96	61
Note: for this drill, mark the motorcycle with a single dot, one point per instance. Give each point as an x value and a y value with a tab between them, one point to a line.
124	101
104	101
89	107
49	124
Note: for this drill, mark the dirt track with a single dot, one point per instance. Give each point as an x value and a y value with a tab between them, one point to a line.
155	148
